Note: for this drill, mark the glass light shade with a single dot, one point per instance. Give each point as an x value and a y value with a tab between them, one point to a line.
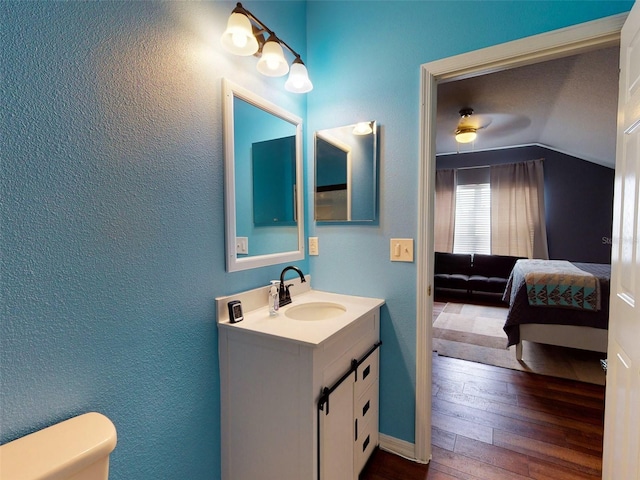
298	81
272	62
362	128
466	135
238	38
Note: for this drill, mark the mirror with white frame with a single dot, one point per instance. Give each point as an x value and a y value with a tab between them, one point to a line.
263	181
346	174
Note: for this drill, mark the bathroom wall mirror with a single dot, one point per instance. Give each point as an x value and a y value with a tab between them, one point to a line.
346	173
263	181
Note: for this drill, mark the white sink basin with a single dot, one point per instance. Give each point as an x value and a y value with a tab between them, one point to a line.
314	311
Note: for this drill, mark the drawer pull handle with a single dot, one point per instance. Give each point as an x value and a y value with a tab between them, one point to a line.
365	444
366	372
365	409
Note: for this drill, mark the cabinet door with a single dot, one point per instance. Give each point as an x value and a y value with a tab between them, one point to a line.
337	434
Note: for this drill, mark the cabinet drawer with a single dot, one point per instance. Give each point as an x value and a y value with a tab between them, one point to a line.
367	373
365	444
366	407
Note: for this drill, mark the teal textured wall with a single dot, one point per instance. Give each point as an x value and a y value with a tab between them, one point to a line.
112	211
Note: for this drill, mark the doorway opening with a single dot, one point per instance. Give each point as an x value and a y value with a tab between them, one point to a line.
547	46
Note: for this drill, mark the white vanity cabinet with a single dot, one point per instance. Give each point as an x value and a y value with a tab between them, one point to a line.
270	389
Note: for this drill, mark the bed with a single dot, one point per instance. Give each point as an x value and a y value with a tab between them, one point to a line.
578	317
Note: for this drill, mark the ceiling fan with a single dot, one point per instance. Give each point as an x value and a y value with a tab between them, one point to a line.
502	124
468	126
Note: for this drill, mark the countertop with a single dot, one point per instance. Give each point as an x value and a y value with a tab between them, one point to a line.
258	321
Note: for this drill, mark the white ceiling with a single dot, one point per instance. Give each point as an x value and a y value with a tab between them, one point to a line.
568	105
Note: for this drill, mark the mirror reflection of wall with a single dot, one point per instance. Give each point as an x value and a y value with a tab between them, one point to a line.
346	173
263	181
274	182
332	179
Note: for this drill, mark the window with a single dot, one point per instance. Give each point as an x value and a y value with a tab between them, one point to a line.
495	210
472	227
472	232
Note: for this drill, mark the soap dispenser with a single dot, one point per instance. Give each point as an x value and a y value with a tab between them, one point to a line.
274	299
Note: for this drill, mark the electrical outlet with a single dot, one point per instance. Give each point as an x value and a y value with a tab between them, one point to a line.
242	245
401	249
313	246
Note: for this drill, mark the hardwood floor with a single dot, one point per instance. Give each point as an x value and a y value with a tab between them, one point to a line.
497	424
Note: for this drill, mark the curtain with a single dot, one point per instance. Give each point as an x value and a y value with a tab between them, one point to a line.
445	210
517	210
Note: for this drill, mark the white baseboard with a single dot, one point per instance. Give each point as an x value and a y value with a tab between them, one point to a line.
398	447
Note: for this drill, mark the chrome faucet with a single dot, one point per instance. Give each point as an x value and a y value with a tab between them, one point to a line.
285	296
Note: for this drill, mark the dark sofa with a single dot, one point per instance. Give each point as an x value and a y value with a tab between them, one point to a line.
472	273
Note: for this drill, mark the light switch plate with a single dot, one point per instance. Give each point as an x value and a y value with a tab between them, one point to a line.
313	246
242	245
401	249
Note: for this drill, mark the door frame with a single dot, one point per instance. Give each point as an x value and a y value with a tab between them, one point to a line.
539	48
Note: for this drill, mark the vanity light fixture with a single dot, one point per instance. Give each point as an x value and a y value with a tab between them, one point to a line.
362	128
245	35
465	133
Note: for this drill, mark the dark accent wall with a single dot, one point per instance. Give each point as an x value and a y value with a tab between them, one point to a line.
578	199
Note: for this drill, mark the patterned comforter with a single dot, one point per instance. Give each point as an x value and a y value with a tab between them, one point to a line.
558	283
520	311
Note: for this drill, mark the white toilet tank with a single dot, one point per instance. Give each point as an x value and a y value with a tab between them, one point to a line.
76	449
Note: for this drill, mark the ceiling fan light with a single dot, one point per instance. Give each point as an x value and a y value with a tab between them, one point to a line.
466	134
272	62
238	38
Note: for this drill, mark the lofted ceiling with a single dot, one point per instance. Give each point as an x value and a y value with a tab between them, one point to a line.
568	104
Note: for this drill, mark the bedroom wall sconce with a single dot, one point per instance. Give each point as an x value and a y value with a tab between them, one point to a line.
465	133
245	35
